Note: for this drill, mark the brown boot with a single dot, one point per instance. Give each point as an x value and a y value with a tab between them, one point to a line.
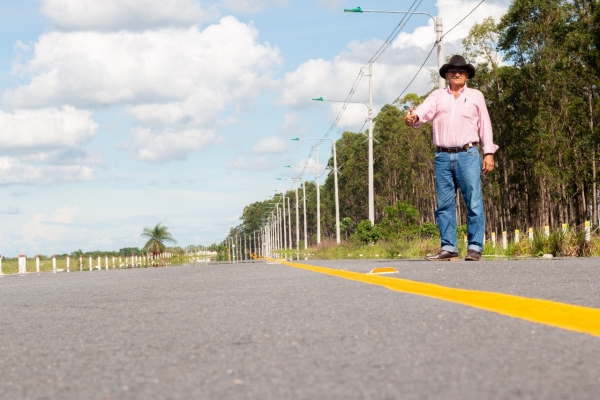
472	255
442	255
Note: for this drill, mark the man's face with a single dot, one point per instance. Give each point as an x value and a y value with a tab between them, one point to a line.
457	76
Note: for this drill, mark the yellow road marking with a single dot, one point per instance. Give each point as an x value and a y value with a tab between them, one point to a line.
547	312
384	270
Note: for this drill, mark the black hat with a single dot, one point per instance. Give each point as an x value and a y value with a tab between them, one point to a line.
457	62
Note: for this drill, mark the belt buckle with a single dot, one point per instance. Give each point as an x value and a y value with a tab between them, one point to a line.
454	149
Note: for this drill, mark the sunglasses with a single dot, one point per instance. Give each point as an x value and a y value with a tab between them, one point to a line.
457	71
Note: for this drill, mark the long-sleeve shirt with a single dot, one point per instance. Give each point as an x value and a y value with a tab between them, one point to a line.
459	121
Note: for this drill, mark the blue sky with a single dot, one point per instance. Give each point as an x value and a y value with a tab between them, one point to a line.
120	114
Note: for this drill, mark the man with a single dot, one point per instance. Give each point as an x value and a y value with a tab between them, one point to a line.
460	122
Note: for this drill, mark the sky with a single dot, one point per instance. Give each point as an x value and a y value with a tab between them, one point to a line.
117	115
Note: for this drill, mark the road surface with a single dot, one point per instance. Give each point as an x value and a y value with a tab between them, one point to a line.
275	331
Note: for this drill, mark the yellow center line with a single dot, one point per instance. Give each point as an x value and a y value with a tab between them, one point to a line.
547	312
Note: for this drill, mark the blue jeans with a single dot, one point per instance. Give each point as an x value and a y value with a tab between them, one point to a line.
459	170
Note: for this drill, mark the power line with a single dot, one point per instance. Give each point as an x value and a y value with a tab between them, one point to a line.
434	46
460	22
391	37
377	54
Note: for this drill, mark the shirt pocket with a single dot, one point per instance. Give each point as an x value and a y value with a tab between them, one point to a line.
470	111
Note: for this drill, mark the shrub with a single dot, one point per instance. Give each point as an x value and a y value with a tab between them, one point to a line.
367	232
429	230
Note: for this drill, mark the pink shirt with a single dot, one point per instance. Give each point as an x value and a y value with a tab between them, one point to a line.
459	121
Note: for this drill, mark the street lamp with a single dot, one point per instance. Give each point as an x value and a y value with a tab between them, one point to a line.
441	82
297	212
370	138
318	193
437	24
284	227
335	180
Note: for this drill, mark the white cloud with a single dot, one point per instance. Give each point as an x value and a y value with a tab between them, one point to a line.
235	218
11	210
251	6
148	145
183	67
14	171
452	11
49	228
392	72
124	14
292	125
47	128
307	167
270	145
253	164
172	80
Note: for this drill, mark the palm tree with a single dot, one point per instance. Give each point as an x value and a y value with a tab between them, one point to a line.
156	238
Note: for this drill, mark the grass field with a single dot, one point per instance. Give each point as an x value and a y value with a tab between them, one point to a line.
558	243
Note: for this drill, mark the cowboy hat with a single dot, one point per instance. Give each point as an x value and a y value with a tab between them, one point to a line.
457	62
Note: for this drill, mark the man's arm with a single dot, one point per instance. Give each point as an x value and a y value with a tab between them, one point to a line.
488	163
410	119
424	112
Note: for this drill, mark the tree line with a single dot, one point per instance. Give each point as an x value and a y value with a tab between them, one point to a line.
539	71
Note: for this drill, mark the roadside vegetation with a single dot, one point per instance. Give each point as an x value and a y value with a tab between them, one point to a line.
559	243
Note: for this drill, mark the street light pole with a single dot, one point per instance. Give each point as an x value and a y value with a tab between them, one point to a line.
318	200
304	197
371	182
297	212
437	25
335	181
284	227
289	223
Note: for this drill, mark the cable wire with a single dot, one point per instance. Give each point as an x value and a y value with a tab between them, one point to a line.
434	46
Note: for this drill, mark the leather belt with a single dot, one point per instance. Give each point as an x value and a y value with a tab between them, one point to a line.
457	149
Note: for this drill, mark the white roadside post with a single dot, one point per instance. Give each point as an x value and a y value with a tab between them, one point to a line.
54	263
113	262
588	231
517	236
565	228
531	234
37	263
90	263
80	262
99	266
494	240
22	264
504	240
547	231
68	263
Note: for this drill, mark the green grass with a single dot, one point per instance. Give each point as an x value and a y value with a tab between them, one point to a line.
571	243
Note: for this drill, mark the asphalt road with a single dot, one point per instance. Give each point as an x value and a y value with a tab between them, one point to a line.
270	331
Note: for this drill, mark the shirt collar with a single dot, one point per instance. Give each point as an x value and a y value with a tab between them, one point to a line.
460	91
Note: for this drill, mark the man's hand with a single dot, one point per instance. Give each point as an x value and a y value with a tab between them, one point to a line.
488	164
410	118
